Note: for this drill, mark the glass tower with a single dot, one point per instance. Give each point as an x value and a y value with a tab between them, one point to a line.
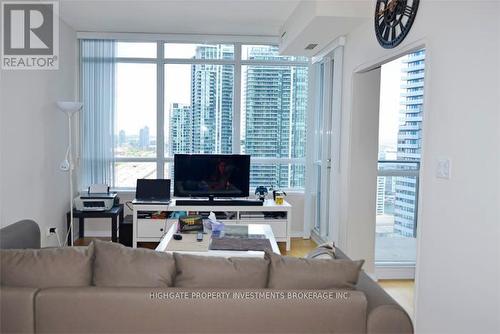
181	128
212	101
409	142
275	102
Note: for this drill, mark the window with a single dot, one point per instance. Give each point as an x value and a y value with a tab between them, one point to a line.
179	98
135	50
199	51
199	108
135	113
274	106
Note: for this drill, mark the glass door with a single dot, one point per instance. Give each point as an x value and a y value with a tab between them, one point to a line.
322	191
322	148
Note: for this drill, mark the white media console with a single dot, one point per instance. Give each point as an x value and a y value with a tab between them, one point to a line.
146	229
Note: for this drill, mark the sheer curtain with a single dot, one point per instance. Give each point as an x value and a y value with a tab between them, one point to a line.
97	92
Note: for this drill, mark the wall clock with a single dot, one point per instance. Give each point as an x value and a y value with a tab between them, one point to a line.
393	20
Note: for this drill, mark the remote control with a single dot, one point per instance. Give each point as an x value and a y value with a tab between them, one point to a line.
199	236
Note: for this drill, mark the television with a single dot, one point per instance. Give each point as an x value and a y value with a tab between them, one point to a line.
211	175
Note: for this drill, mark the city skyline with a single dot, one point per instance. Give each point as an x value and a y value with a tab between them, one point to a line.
205	125
199	112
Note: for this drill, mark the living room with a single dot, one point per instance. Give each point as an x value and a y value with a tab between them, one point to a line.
328	130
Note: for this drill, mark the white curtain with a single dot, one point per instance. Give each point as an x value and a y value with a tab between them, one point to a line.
97	92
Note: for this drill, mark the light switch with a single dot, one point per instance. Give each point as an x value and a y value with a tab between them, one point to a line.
443	169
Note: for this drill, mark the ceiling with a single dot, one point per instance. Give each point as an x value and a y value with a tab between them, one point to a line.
221	17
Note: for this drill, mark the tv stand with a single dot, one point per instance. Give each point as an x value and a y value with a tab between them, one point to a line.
151	229
211	201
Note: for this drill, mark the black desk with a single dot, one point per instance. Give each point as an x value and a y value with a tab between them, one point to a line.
114	213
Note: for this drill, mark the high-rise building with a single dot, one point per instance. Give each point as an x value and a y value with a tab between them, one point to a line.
275	101
409	142
380	195
381	188
144	138
299	120
122	138
212	100
274	113
181	129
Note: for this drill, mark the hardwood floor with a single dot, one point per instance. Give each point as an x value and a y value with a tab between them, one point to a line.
299	247
86	241
401	290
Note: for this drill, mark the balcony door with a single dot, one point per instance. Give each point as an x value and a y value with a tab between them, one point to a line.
323	147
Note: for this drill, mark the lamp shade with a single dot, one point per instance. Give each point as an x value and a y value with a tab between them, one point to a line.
69	106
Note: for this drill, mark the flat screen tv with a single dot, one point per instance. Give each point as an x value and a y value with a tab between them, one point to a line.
211	175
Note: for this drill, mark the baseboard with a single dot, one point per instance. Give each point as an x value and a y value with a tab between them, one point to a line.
395	271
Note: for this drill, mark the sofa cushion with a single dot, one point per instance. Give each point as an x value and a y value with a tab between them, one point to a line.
286	272
218	272
118	266
48	267
17	307
187	311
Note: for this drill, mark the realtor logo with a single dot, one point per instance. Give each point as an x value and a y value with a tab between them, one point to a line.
30	34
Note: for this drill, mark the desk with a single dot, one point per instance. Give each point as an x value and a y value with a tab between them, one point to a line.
114	213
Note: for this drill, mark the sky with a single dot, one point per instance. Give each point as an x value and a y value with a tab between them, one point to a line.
136	85
390	90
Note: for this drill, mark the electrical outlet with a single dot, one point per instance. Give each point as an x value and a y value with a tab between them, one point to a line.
51	231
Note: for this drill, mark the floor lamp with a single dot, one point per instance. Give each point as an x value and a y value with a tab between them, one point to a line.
69	108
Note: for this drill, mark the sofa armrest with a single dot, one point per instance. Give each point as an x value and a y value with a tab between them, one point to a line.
384	314
23	234
17	309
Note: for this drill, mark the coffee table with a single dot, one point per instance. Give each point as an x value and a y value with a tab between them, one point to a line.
189	245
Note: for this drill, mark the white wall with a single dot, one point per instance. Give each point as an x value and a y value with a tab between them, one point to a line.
33	141
458	259
362	170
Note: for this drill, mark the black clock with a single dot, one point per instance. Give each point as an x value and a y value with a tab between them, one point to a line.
393	20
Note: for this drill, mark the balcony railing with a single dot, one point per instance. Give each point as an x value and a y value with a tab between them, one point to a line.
397	186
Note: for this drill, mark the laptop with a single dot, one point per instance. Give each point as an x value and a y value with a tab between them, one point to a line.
152	191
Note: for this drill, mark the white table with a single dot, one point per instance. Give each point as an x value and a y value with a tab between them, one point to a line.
189	245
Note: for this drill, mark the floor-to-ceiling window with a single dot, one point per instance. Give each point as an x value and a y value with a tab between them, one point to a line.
135	130
199	98
273	116
400	144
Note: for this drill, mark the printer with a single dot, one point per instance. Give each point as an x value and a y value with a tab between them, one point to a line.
97	198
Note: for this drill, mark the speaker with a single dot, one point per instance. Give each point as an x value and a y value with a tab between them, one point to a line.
125	231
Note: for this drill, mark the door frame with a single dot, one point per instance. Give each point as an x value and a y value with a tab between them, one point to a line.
398	271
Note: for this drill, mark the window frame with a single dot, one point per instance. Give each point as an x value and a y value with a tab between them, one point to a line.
160	61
